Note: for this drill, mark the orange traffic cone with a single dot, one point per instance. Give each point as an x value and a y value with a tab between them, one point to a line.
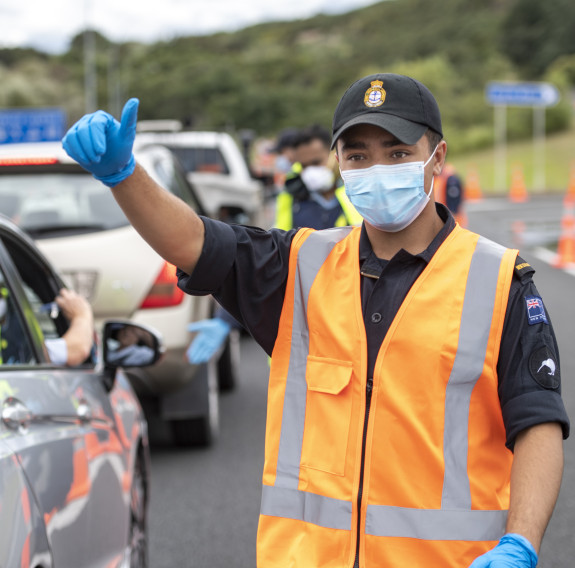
472	189
461	217
566	246
517	191
570	194
518	230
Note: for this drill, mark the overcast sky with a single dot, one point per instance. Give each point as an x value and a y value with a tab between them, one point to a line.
49	25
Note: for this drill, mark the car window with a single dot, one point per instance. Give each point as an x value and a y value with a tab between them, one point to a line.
15	344
46	200
173	179
40	288
201	159
46	313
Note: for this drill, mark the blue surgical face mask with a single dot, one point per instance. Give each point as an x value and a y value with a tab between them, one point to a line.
388	197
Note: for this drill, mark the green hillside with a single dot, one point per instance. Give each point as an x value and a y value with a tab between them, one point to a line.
274	75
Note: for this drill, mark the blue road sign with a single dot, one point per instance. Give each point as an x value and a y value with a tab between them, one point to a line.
521	94
32	125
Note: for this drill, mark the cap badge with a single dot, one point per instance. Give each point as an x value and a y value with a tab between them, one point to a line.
375	95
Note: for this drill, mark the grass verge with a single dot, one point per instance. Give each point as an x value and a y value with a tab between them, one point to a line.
559	159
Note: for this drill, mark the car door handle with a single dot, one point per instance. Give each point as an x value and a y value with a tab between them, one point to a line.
15	414
84	412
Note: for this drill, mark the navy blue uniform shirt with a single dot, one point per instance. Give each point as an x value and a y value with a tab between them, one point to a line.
310	213
246	269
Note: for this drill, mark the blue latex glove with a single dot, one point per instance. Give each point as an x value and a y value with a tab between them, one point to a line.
103	146
211	336
513	551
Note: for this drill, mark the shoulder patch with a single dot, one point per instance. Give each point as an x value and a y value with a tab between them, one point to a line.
535	310
544	368
523	269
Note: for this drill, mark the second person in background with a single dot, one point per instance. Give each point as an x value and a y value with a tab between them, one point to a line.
314	195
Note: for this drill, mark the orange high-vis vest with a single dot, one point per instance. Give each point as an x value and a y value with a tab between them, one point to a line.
433	479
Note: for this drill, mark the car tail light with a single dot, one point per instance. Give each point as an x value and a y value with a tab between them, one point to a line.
27	161
164	291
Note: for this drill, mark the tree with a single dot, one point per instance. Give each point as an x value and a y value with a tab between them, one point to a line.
536	33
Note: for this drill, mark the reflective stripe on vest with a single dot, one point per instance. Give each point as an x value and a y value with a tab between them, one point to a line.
435	524
311	257
455	520
476	317
299	505
350	215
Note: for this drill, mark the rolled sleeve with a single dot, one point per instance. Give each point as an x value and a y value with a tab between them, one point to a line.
215	262
245	269
534	408
57	350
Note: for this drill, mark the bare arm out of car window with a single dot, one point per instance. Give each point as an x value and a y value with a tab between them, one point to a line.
80	335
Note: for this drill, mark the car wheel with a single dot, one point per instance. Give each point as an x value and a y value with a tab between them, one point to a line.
201	430
192	432
138	545
229	362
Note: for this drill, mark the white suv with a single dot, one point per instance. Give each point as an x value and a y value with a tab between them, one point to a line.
78	225
216	168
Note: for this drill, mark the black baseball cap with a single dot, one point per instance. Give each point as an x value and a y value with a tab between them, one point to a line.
399	104
286	139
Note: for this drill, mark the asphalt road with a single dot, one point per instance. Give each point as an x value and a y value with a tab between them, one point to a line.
205	503
530	226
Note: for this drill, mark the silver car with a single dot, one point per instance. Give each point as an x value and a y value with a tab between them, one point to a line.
78	225
74	455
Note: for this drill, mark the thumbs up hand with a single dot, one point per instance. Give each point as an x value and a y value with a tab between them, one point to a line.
103	146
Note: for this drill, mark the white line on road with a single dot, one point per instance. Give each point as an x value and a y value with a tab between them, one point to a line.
549	257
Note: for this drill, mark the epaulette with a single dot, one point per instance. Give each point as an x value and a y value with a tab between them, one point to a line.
523	269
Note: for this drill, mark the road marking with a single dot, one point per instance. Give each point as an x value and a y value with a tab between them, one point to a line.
549	257
488	205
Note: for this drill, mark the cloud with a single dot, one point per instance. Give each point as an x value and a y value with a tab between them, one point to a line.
50	26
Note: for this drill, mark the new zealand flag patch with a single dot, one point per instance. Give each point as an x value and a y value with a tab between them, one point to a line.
535	310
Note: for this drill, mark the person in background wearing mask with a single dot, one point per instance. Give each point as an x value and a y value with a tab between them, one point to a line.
285	150
311	196
448	189
414	407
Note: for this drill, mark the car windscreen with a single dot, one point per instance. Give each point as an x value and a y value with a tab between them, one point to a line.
47	201
201	160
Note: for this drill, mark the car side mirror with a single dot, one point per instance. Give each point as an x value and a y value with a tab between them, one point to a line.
127	344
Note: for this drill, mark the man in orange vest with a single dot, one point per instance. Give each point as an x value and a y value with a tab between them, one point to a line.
414	407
